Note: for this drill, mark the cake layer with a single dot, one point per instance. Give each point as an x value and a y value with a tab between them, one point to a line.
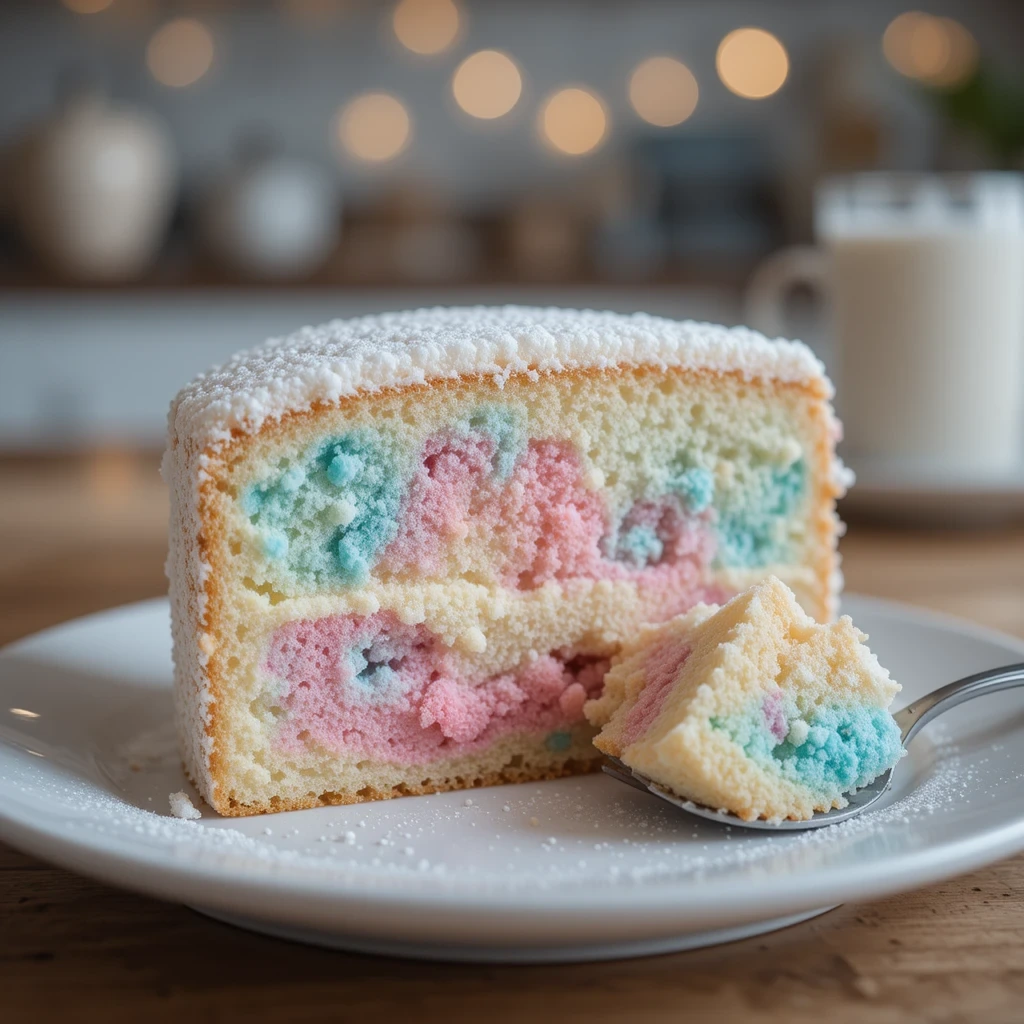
752	707
414	589
374	687
604	475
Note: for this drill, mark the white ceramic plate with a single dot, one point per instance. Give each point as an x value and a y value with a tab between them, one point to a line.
575	869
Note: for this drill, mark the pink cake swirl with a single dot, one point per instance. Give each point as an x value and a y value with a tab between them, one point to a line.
379	688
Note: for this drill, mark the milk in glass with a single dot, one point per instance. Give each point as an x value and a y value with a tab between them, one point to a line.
927	283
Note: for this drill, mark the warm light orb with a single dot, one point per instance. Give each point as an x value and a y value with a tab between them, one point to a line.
87	6
938	51
374	127
573	121
23	713
663	91
487	84
915	44
752	63
426	26
963	55
180	52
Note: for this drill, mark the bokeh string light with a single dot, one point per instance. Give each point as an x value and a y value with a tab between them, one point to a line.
487	84
374	127
963	55
426	26
663	91
937	51
752	63
915	44
573	121
180	52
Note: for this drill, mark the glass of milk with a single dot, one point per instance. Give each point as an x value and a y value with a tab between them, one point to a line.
925	277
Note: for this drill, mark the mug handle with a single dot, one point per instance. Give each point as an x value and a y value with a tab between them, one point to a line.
774	277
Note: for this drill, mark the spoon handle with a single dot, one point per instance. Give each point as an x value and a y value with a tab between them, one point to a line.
923	710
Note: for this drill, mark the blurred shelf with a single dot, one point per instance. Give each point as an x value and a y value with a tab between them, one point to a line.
13	282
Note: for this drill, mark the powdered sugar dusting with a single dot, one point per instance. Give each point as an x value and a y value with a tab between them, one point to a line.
553	836
366	354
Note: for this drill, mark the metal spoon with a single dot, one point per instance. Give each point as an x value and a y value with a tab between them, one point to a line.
910	720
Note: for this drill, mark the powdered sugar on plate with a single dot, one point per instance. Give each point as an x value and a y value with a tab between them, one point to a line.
584	832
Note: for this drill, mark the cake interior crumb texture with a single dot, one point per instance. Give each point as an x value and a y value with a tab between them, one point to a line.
752	707
405	548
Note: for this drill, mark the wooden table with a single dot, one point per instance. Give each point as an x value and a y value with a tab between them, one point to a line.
85	534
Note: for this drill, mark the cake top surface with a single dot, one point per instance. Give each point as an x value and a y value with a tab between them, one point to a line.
369	353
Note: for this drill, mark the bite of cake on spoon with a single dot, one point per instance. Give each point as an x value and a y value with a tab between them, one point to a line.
752	707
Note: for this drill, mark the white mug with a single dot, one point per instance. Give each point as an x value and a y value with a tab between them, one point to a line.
925	277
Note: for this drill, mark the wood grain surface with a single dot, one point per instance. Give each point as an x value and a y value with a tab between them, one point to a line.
87	533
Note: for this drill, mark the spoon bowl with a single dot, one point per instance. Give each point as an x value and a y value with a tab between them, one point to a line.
859	801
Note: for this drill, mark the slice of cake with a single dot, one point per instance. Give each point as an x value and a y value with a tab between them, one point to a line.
404	547
752	707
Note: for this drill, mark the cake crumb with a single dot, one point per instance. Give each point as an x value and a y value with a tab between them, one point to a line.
182	806
472	641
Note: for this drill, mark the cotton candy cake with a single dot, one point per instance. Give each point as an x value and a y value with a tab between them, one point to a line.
752	707
404	547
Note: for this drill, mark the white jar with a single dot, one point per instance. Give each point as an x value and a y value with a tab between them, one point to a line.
94	187
271	217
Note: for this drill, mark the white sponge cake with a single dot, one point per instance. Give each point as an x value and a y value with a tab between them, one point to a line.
404	547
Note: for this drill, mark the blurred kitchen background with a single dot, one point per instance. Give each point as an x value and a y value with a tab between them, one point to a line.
183	178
